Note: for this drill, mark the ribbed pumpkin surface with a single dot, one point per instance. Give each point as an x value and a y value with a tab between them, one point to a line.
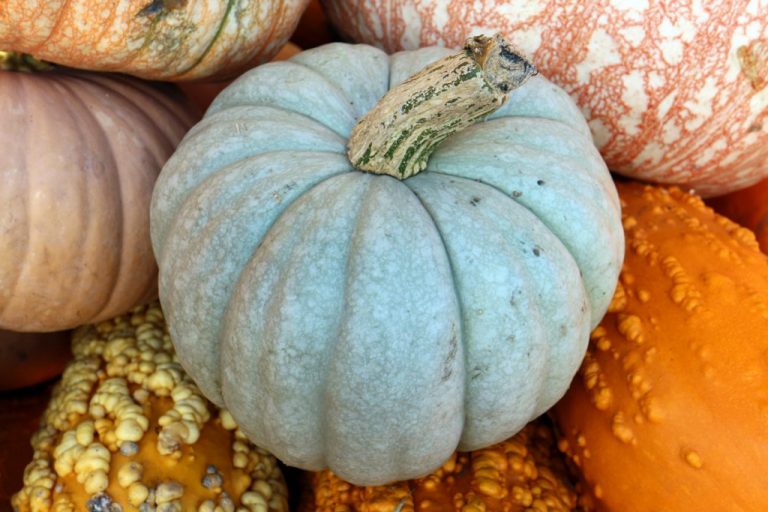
77	173
154	39
372	325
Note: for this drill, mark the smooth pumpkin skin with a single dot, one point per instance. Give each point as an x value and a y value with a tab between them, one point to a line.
367	314
668	411
29	358
748	207
77	180
675	91
152	39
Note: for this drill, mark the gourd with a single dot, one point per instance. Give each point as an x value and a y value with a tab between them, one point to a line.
525	472
28	358
152	39
372	323
748	207
127	429
673	93
77	179
668	410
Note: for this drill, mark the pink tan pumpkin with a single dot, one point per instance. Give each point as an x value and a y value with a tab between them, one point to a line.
77	172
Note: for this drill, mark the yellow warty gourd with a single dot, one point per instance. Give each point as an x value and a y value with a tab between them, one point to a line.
127	429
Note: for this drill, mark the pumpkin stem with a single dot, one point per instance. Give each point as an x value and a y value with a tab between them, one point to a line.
12	61
400	132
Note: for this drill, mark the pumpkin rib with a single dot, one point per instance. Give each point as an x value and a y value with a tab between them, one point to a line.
530	297
264	85
99	309
54	28
102	311
212	42
86	220
98	82
544	398
9	289
342	93
472	161
369	262
284	250
215	148
194	246
345	66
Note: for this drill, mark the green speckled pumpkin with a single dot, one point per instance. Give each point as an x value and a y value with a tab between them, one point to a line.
368	324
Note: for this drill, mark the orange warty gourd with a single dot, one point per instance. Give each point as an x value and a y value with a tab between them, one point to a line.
748	207
153	39
669	410
127	429
77	171
523	473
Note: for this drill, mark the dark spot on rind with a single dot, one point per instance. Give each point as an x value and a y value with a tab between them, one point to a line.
154	7
474	201
537	251
102	503
539	182
516	193
450	358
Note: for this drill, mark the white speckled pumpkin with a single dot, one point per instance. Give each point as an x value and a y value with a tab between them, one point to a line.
675	91
368	324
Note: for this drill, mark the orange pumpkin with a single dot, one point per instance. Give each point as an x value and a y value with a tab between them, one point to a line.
28	358
669	410
77	174
674	91
748	207
523	473
154	39
127	429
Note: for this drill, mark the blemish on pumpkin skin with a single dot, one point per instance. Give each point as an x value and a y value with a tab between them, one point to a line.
621	430
753	61
693	459
158	6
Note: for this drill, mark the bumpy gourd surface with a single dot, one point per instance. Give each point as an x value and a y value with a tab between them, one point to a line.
523	473
127	429
345	318
672	396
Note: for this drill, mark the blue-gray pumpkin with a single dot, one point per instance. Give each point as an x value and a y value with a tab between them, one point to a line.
371	325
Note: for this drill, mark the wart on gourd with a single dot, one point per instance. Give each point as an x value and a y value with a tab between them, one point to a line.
397	136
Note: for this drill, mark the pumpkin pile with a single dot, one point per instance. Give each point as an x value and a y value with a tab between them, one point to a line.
402	268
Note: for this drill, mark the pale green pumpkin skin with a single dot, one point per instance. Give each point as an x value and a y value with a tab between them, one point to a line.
366	324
